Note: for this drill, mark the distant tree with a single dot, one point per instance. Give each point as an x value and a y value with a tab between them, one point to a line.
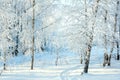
107	57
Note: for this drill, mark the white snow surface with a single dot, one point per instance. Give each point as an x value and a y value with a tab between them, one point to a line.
71	69
64	72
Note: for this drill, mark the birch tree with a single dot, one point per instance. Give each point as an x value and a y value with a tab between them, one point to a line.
116	26
90	35
33	38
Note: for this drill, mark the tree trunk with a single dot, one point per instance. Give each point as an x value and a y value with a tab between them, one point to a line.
81	58
107	59
56	62
87	53
57	57
118	56
33	24
119	36
116	20
4	65
17	44
87	58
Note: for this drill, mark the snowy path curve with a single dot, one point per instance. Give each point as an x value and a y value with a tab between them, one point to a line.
66	73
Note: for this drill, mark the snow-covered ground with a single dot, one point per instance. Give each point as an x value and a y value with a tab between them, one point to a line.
64	72
67	69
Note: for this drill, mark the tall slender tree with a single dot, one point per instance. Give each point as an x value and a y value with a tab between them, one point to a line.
90	35
116	20
33	37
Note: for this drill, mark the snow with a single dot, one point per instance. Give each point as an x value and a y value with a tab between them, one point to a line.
67	72
45	69
61	24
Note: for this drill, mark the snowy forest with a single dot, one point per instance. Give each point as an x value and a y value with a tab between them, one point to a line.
59	39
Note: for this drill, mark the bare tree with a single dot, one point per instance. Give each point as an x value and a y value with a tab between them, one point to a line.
107	57
116	20
119	30
33	38
4	65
